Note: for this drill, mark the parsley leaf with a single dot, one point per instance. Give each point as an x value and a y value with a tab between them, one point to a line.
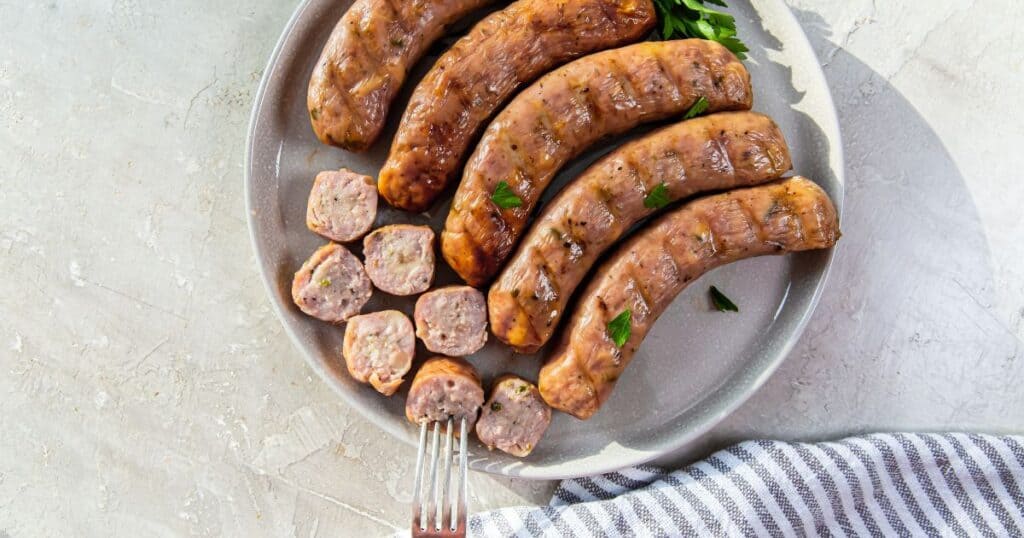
504	198
620	328
721	302
657	198
698	108
691	18
325	283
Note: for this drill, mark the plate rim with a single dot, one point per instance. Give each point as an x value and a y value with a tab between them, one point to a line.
745	388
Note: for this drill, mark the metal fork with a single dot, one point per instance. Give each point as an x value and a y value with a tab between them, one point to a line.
435	518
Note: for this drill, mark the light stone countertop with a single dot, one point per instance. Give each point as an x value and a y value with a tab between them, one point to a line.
148	390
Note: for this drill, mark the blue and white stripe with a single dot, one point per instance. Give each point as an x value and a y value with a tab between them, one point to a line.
876	485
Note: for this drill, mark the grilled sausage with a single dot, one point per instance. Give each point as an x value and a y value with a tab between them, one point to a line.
452	320
469	82
445	387
515	417
400	258
365	61
342	205
716	152
648	271
562	114
379	348
331	285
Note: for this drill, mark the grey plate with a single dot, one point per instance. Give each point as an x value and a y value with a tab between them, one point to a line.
695	367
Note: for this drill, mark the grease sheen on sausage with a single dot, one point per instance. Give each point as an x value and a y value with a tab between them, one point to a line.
562	114
365	61
716	152
649	270
471	80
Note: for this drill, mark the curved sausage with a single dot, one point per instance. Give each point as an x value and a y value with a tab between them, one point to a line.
365	61
468	83
716	152
342	205
379	348
331	285
445	387
648	271
515	417
400	258
562	114
452	320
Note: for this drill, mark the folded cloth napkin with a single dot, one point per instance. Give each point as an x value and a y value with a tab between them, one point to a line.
878	485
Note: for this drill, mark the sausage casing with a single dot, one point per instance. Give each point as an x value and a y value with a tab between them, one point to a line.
716	152
562	114
366	60
647	272
472	79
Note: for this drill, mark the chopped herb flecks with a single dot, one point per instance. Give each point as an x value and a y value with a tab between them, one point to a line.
620	328
504	198
721	302
657	198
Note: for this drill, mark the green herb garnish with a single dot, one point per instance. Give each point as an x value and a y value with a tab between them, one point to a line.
504	198
721	302
620	327
521	389
325	282
698	108
495	406
657	198
691	18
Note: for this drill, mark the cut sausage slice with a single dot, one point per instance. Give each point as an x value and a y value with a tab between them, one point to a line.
452	320
342	205
379	348
480	72
716	152
562	114
400	258
445	387
515	417
365	61
644	275
331	285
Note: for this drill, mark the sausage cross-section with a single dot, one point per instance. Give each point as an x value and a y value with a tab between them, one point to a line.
366	60
716	152
400	258
562	114
472	79
645	274
342	205
445	387
379	348
514	418
331	285
452	320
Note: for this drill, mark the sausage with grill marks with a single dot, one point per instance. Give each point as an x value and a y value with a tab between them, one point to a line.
716	152
648	271
562	114
471	80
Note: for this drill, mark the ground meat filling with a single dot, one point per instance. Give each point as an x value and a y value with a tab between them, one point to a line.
342	205
379	348
331	285
400	258
452	320
515	418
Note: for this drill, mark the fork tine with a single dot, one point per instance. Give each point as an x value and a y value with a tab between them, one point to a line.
417	485
431	522
458	524
445	491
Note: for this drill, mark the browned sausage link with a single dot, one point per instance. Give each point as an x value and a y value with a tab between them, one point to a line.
445	387
562	114
649	270
716	152
365	61
469	82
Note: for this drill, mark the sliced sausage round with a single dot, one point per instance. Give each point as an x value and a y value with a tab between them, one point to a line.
379	348
452	320
400	258
445	387
342	205
515	417
331	285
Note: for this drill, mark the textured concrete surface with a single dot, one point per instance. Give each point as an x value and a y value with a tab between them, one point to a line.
147	389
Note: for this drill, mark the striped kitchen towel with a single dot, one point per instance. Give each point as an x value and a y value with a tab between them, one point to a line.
877	485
